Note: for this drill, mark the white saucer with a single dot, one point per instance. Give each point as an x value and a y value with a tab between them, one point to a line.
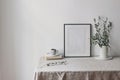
107	58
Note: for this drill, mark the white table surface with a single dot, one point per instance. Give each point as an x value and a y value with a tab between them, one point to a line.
81	64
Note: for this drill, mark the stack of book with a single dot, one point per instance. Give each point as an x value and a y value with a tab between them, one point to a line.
53	57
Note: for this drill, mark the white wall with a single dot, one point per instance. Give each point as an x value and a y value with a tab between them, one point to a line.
16	41
29	28
50	15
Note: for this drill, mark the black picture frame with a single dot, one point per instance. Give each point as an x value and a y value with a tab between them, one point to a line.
65	39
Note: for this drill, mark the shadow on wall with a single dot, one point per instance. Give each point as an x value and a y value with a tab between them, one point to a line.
115	48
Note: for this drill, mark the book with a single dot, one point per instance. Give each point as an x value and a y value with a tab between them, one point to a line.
54	57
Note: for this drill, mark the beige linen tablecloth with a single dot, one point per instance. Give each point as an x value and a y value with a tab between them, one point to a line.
80	69
94	75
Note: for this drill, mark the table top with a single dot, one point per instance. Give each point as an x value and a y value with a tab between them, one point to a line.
79	64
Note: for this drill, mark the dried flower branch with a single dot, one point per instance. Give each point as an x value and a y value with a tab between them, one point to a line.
103	27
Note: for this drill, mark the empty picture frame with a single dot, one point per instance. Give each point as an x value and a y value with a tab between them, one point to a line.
77	40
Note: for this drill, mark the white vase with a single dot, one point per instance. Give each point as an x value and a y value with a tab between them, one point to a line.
103	52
